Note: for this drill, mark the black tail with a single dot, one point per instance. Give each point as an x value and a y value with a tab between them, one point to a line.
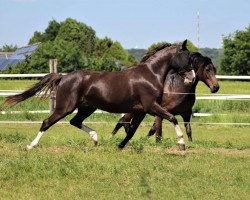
47	84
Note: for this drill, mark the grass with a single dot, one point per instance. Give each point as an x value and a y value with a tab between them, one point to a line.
225	111
67	166
226	87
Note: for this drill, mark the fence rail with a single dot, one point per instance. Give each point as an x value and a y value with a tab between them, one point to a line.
220	77
4	93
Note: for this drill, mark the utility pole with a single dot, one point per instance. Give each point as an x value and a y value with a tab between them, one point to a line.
198	29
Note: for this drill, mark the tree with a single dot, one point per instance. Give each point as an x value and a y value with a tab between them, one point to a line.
76	46
155	45
214	54
112	55
9	48
101	46
51	31
191	47
36	38
80	34
236	59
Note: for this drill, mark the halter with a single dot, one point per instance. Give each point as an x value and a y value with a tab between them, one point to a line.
183	70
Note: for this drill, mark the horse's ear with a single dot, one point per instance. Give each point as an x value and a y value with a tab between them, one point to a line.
184	45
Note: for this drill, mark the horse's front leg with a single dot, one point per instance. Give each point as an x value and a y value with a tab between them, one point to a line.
161	112
187	124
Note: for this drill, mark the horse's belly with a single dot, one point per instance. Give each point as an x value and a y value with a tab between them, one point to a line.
117	105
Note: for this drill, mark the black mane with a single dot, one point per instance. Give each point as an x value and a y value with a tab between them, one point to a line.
153	51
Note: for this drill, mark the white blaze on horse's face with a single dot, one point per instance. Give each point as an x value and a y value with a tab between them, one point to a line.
189	77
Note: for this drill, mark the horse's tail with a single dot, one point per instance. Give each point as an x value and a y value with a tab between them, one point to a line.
46	85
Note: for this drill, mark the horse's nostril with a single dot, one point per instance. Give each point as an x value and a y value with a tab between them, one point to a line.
215	89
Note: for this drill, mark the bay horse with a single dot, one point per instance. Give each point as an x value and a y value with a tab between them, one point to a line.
178	98
137	90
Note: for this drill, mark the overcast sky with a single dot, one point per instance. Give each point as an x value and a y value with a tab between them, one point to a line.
134	23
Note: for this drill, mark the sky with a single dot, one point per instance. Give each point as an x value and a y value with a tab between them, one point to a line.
134	23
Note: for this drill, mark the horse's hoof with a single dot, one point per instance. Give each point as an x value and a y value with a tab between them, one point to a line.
158	139
120	146
95	143
182	147
29	147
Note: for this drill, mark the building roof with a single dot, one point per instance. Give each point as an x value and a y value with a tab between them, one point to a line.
19	55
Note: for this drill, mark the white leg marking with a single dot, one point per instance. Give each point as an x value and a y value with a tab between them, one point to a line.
91	132
35	141
93	135
179	134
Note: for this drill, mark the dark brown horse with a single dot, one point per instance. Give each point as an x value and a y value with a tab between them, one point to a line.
178	98
135	90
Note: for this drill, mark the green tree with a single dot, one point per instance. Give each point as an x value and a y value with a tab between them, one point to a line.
36	38
214	54
155	45
76	46
51	31
9	48
236	59
191	47
80	34
102	45
112	55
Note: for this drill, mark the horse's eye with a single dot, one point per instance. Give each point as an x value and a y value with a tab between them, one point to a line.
207	69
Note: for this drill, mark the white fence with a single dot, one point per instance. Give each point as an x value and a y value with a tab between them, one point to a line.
4	93
220	77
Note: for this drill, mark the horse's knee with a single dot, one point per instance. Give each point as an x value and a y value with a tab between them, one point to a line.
45	125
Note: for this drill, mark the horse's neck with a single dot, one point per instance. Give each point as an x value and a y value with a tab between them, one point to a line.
193	88
160	66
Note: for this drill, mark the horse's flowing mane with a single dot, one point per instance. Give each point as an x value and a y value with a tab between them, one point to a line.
154	51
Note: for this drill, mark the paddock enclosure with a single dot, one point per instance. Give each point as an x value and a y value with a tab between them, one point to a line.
66	165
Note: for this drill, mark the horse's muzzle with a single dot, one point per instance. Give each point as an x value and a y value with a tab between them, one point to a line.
215	88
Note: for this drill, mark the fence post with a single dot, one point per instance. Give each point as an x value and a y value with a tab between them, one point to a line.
52	69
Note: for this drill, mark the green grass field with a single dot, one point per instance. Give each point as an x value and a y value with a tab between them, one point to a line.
65	165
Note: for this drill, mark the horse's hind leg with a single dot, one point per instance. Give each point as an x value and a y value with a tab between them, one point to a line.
132	128
83	113
156	129
152	130
186	119
47	123
123	121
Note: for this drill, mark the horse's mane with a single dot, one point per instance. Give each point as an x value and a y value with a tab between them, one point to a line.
154	51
